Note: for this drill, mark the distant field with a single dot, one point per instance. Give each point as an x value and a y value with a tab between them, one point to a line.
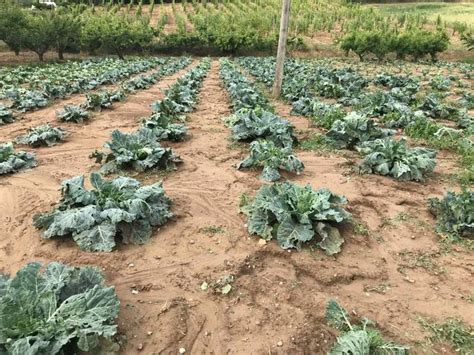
449	11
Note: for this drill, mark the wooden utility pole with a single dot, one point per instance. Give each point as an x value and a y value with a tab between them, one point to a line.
285	17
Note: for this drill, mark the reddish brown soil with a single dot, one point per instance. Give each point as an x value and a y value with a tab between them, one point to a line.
277	295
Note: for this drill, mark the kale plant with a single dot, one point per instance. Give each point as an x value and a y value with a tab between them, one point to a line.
113	208
56	309
12	162
454	213
267	155
394	158
44	135
294	214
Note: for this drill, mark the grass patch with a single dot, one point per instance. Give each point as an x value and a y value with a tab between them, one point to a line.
316	143
420	260
361	229
452	331
212	230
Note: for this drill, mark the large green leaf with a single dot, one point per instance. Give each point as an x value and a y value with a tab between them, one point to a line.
289	212
43	309
114	208
354	342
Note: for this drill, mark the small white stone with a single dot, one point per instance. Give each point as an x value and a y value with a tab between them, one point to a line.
182	350
280	343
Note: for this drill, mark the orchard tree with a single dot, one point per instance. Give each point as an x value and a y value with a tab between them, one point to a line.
116	33
12	27
67	32
39	32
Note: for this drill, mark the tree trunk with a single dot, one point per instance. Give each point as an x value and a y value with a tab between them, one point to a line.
280	60
119	53
41	56
60	54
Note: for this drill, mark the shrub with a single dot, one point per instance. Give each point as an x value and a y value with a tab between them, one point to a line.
391	157
293	215
44	135
113	208
48	309
267	155
414	42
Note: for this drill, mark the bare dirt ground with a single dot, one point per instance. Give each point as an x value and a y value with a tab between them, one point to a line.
393	273
43	115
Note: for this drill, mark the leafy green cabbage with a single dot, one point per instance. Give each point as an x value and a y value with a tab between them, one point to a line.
353	130
11	161
73	113
5	115
138	151
249	125
114	208
43	310
267	155
358	339
394	158
44	135
293	215
454	213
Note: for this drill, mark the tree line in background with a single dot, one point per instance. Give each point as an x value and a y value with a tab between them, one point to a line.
219	26
72	29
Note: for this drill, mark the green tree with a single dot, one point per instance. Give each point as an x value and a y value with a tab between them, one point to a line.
39	33
116	33
12	27
67	32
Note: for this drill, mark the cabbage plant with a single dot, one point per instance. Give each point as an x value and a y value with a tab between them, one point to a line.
12	162
113	209
44	135
294	215
56	309
271	158
394	158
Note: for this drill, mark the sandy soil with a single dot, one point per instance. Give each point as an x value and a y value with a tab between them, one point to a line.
392	275
25	120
